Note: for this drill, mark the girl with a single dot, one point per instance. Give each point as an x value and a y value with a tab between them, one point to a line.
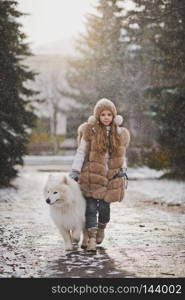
99	166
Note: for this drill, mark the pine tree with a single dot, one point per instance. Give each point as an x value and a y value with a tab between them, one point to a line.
97	72
169	91
16	116
160	33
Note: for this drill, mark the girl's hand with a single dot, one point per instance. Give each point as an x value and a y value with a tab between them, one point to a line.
74	175
121	173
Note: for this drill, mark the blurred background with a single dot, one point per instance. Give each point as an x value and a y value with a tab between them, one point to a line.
58	58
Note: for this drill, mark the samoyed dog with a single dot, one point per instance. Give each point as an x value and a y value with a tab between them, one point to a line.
67	208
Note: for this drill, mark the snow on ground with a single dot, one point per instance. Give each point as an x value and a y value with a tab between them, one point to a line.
146	181
143	173
142	239
168	191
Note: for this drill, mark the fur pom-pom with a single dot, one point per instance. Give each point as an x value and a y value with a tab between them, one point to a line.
119	120
91	120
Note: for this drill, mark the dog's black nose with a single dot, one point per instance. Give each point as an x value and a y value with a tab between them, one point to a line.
48	200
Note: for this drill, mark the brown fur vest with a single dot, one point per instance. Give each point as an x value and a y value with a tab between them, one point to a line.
95	180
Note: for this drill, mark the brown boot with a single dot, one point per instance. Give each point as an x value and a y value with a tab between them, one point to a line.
100	234
85	239
92	239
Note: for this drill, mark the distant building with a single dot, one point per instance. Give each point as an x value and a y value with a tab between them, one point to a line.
50	82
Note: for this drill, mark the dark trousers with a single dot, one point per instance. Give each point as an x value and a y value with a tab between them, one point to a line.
97	211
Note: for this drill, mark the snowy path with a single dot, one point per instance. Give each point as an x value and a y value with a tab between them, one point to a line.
145	238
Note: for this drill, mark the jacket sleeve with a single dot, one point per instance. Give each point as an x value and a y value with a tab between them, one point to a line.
79	156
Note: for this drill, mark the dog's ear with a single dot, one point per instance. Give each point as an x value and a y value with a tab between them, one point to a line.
65	179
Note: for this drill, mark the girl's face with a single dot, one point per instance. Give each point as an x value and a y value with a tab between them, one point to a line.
106	117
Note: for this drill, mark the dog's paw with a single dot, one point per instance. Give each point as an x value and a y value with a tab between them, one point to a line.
84	246
69	247
76	241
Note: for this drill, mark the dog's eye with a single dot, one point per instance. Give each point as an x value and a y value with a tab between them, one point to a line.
55	193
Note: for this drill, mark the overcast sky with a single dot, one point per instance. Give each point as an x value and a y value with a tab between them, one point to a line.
53	20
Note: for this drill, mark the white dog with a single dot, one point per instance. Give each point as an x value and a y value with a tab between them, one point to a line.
67	208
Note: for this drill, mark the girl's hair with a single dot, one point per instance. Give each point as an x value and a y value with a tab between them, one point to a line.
104	142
